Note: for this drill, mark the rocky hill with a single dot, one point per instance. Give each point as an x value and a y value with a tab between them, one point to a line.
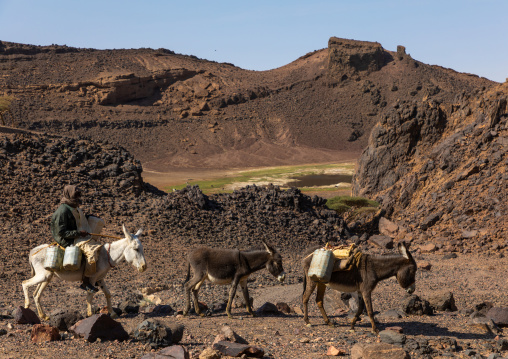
440	169
171	110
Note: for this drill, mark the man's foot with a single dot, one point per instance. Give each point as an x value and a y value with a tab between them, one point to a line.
89	288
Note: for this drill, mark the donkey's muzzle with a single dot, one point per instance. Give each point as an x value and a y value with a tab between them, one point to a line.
281	277
411	288
142	268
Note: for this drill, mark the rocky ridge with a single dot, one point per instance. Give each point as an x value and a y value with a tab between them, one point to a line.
171	110
440	170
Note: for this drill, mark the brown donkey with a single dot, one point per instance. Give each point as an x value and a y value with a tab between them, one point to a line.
228	266
363	279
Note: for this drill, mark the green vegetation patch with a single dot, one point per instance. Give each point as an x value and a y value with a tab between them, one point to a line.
343	204
275	175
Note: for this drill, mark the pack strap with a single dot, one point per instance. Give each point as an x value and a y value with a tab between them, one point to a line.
50	245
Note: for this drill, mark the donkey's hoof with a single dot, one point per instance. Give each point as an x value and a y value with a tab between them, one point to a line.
113	315
331	324
202	314
308	325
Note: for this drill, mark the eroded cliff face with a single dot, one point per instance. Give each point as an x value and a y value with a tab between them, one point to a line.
440	169
347	57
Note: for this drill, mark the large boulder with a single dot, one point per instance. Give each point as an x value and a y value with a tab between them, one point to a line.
25	316
99	326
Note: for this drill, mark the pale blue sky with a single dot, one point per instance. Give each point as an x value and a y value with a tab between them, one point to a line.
466	35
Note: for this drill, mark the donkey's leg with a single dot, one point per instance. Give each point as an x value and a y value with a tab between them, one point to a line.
190	285
89	300
245	292
107	294
37	297
320	295
308	288
195	292
36	279
367	298
232	293
359	311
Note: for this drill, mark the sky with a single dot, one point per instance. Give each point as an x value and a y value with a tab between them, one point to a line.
464	35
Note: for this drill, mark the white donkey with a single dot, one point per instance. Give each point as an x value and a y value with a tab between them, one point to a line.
128	248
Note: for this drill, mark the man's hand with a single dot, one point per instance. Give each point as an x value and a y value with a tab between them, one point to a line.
83	233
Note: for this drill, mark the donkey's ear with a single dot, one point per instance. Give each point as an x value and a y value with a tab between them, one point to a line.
139	232
268	248
403	249
127	234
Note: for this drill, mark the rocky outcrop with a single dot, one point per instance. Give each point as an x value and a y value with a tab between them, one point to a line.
347	57
442	167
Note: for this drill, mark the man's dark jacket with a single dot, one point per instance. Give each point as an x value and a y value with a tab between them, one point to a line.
63	226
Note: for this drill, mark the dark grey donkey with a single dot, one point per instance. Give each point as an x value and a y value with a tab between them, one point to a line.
228	266
363	280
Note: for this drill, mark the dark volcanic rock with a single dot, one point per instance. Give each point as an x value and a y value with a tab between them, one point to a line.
441	168
25	316
63	319
99	326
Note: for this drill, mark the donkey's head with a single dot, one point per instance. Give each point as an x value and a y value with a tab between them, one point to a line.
406	273
274	263
133	252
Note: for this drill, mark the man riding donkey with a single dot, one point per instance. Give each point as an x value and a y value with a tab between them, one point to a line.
69	226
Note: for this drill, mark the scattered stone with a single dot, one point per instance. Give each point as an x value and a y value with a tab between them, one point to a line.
332	351
396	329
129	307
502	344
172	352
391	314
392	337
484	323
99	326
414	305
428	248
162	310
44	333
382	241
63	319
237	350
157	335
210	353
378	351
442	302
268	308
298	310
283	308
499	316
387	227
232	336
424	265
25	316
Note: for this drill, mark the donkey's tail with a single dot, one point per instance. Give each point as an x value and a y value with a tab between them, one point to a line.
187	277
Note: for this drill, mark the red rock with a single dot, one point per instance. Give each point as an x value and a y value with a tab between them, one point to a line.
44	333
